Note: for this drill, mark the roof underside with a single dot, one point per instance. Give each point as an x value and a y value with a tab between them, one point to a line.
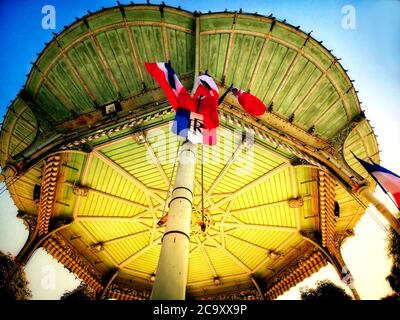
100	59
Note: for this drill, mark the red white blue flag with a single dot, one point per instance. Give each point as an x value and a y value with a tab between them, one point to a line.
205	99
196	116
251	104
387	180
190	125
165	76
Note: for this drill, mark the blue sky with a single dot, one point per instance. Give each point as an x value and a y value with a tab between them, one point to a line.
371	53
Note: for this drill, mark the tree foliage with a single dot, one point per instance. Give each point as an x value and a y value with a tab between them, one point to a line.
82	292
13	283
325	290
394	277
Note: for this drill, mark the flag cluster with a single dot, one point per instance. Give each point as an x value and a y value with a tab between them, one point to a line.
197	113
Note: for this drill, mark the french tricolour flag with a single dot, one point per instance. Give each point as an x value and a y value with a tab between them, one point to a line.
190	125
165	76
388	181
196	117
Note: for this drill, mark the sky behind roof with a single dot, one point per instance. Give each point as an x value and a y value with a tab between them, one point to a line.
370	52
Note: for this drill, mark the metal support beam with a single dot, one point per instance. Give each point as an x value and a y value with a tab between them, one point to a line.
337	263
107	282
257	287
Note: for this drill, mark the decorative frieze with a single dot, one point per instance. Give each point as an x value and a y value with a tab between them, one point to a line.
326	185
48	192
301	269
72	260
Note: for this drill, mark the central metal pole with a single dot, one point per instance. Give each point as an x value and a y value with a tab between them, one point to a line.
172	270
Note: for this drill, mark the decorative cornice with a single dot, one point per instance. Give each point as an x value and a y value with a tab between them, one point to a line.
117	292
301	269
326	185
250	294
338	140
59	248
340	237
296	161
106	132
258	130
48	192
29	221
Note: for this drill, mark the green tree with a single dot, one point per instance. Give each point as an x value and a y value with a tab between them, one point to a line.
394	277
325	290
82	292
13	283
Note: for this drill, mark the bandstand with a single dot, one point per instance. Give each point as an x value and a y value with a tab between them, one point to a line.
89	159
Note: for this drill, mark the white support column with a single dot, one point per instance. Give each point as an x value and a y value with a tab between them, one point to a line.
393	221
172	271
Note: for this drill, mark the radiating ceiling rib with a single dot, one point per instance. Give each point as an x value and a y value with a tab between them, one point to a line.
126	237
287	75
256	226
248	243
292	173
103	60
85	174
258	63
328	110
131	178
156	162
275	73
193	249
76	73
141	220
111	196
165	39
225	169
288	45
264	206
11	128
206	257
229	51
137	254
133	50
110	143
94	240
252	184
266	260
229	254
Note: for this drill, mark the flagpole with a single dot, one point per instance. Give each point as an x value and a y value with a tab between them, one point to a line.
172	271
221	98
